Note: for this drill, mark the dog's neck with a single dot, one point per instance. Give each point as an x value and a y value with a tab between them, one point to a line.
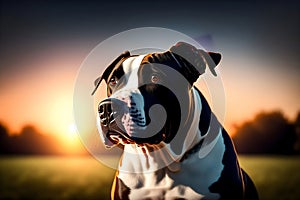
150	158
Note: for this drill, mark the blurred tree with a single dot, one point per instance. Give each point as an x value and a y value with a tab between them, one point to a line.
268	133
297	131
29	141
3	139
3	131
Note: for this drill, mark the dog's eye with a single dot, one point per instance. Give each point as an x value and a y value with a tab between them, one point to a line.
154	78
113	81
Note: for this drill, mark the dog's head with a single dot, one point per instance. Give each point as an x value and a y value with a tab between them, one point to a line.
145	94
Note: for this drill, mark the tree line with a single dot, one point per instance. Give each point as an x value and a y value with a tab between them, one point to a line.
28	141
267	133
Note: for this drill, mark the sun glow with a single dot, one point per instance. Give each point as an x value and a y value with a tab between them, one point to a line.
72	130
62	125
70	140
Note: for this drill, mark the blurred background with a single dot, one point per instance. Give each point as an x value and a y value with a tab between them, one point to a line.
43	43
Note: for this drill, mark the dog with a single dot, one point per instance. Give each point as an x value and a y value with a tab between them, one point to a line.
173	145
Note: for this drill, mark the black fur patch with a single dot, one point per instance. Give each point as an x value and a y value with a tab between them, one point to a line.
230	184
121	190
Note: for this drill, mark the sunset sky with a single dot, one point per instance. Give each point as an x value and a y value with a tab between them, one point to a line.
43	44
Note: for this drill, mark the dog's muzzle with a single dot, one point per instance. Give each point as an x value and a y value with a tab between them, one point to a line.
109	113
123	122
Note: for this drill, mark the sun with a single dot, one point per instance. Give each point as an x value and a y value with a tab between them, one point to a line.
73	130
70	139
72	136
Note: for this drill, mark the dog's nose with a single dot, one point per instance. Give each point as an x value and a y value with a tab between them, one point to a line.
105	112
108	111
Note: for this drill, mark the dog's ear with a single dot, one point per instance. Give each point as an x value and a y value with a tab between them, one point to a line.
118	61
189	56
216	57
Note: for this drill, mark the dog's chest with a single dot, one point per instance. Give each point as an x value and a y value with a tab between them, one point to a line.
192	181
164	184
164	189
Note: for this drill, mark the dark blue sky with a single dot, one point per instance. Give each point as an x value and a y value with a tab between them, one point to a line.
269	28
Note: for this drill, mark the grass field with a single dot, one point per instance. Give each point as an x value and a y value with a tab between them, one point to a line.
86	178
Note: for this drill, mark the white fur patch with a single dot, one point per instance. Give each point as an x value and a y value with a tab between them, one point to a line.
193	136
131	67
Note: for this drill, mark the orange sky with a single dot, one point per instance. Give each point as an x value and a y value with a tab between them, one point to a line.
43	95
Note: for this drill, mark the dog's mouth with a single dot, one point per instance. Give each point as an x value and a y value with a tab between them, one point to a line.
117	138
